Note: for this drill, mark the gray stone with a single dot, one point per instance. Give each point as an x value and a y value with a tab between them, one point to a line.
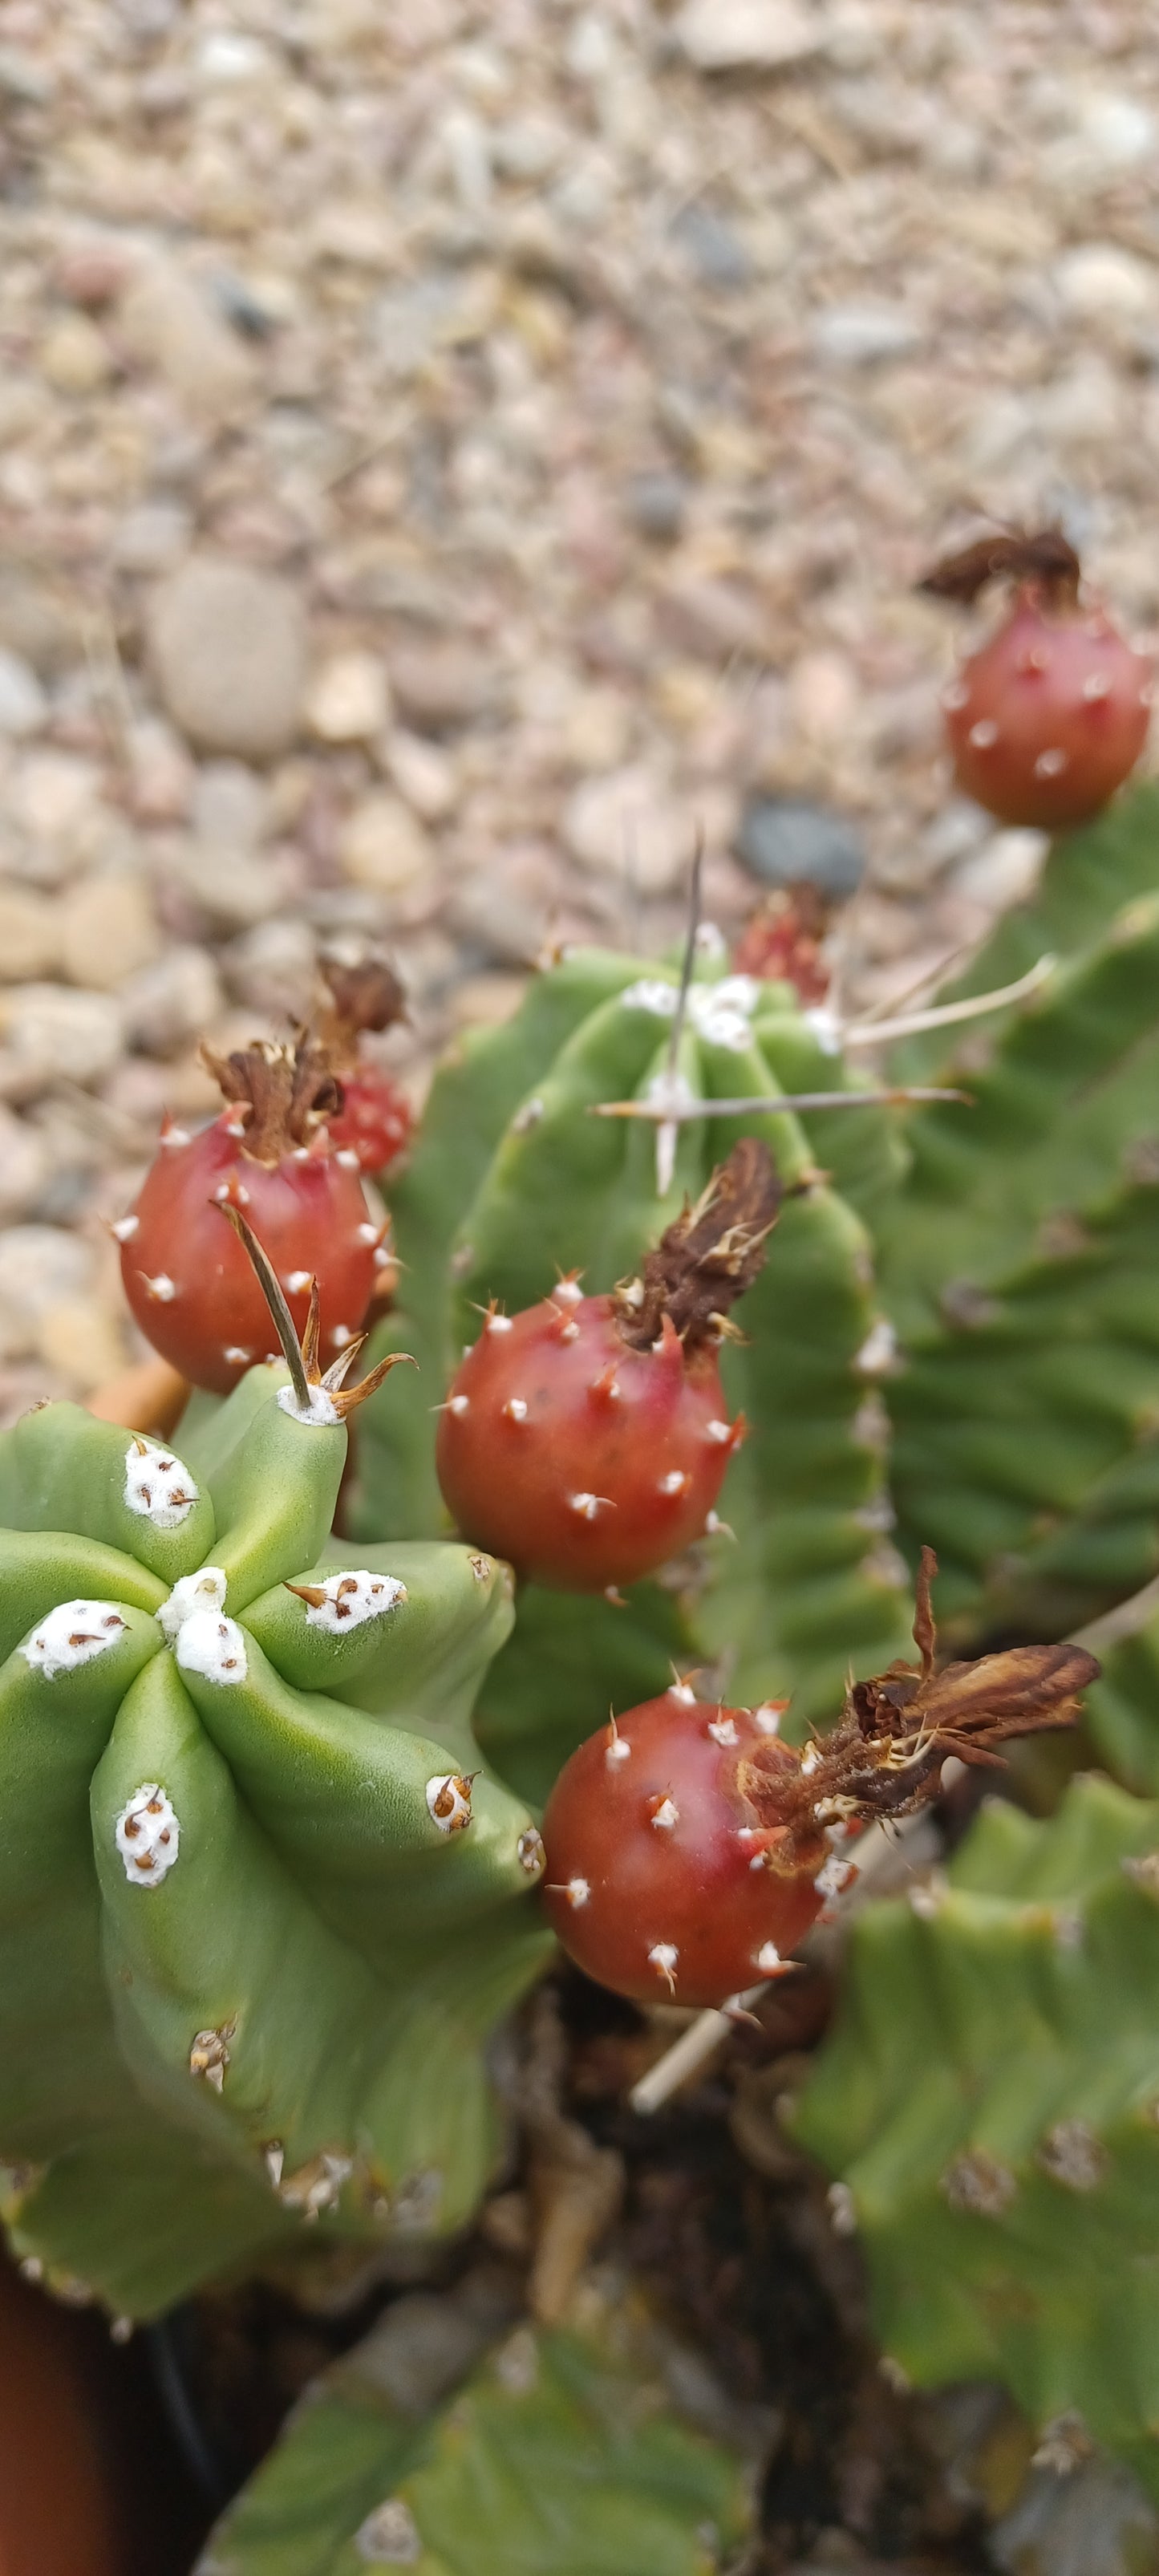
784	841
24	1167
656	502
229	647
50	1034
23	705
748	35
39	1266
712	246
863	335
171	1002
231	805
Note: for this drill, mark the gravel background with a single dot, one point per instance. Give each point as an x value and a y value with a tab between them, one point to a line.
448	453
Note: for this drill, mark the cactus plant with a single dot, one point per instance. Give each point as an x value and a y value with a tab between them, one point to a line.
989	2101
260	1905
512	1183
563	2452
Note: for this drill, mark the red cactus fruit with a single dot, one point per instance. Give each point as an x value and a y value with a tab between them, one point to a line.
587	1438
188	1280
782	942
1049	717
661	1876
375	1117
688	1849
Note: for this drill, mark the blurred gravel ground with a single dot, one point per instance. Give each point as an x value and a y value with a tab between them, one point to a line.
448	453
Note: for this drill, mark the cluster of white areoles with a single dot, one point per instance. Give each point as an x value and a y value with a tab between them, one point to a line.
157	1486
204	1590
209	1644
72	1635
148	1835
350	1599
719	1013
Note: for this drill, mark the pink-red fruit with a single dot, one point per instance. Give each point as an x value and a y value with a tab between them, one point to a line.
582	1461
586	1439
688	1848
662	1877
1049	717
188	1280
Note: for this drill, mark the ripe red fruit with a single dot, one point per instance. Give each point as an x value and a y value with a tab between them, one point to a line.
688	1849
188	1280
1048	718
587	1438
375	1117
662	1869
782	942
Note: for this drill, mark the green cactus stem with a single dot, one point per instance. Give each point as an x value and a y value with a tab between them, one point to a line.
260	1902
560	2453
989	2101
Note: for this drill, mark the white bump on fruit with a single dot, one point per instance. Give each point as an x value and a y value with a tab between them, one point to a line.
232	1193
663	1956
569	1332
458	1403
204	1590
683	1691
723	1730
237	1353
834	1876
353	1598
341	1335
162	1287
767	1718
675	1482
500	1324
71	1635
576	1890
148	1836
173	1136
297	1281
125	1228
619	1750
984	734
449	1802
209	1644
1098	684
348	1158
587	1505
1051	764
666	1815
366	1233
157	1487
718	1431
568	1292
515	1409
810	1762
768	1959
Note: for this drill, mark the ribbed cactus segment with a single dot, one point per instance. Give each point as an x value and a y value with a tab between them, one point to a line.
515	1180
1026	1436
989	2100
562	2453
1089	875
256	1918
